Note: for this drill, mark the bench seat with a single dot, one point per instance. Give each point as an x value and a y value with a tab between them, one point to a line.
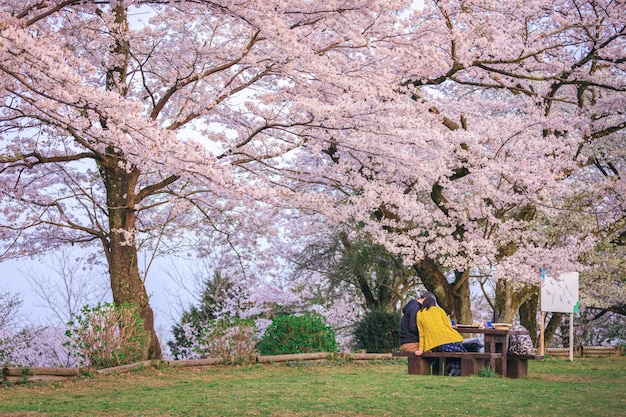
471	362
517	365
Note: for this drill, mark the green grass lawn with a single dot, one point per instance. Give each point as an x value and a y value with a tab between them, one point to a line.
554	387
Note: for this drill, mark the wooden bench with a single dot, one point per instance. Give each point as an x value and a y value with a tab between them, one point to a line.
471	362
517	365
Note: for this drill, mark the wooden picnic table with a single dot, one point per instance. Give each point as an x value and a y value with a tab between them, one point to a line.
496	354
495	341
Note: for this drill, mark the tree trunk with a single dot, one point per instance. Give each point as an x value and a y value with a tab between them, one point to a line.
126	283
510	295
506	307
461	310
553	324
120	182
452	297
528	316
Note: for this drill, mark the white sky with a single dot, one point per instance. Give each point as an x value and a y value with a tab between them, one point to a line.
166	298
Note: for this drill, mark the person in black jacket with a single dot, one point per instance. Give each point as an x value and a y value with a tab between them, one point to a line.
409	339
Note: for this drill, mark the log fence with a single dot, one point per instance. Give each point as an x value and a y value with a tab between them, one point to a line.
587	351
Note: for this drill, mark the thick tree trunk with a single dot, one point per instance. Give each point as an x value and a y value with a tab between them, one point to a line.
452	297
551	327
120	182
507	303
528	316
126	283
128	287
461	297
510	295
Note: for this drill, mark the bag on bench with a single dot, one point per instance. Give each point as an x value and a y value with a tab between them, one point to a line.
520	344
473	344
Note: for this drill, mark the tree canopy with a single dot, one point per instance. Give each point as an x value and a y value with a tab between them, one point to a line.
453	134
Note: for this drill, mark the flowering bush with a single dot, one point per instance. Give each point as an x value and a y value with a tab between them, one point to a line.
35	347
231	339
107	335
228	339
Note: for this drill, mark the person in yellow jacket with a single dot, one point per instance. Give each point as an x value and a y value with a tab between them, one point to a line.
437	334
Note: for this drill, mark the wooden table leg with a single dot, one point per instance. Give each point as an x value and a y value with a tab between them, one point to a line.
505	350
490	347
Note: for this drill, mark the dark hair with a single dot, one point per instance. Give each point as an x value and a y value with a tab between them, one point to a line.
429	302
427	294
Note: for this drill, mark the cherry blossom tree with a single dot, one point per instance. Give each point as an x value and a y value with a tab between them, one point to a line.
519	96
24	344
602	286
129	126
561	73
448	133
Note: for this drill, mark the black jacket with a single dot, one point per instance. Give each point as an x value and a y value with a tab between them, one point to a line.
408	323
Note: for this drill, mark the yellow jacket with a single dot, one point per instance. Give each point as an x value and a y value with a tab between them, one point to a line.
435	329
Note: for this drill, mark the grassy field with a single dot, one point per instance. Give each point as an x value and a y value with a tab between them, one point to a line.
554	387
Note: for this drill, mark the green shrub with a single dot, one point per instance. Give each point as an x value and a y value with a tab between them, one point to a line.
297	334
107	335
378	332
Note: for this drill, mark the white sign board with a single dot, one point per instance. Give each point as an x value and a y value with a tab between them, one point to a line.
560	295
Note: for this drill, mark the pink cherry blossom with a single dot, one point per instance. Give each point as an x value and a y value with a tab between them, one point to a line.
452	132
